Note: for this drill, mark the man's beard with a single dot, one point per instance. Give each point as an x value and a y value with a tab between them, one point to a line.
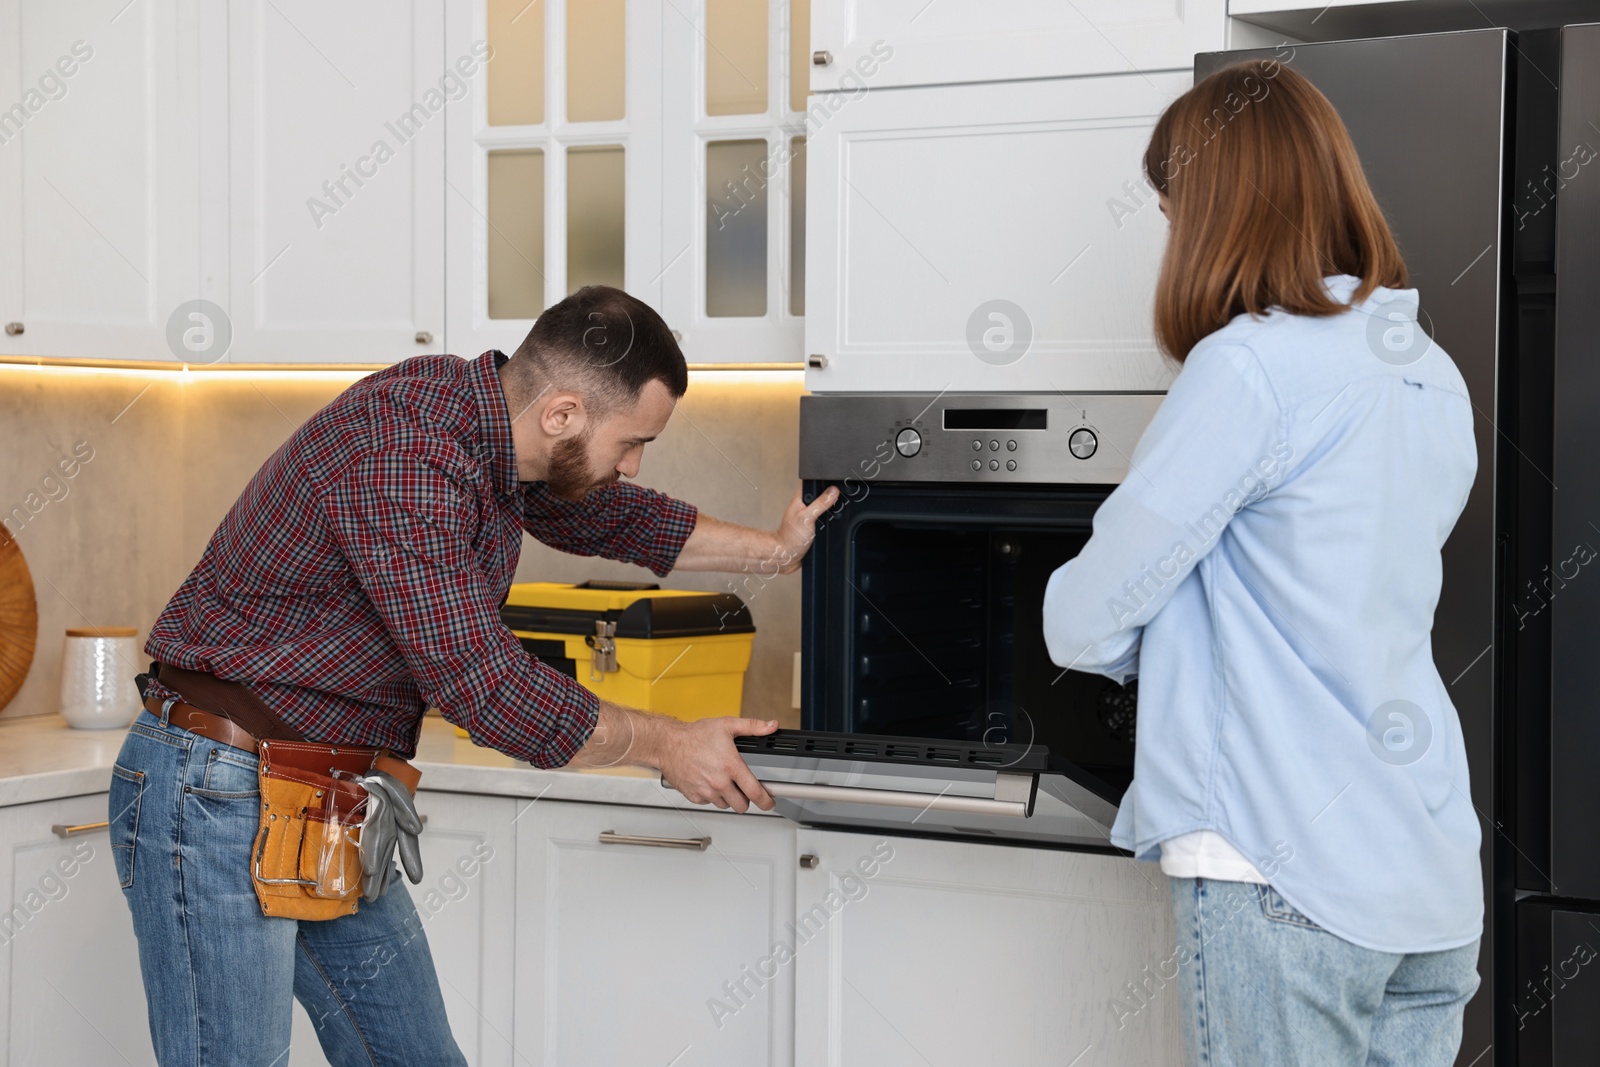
570	476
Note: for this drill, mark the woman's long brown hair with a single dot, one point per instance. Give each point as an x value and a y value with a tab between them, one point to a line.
1267	197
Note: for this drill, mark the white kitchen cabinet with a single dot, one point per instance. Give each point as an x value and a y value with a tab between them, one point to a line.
994	238
915	42
69	964
467	901
733	228
466	904
624	950
335	135
961	953
98	181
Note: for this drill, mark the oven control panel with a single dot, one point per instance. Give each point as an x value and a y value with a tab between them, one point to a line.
1030	437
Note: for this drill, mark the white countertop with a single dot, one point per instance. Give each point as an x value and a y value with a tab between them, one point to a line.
42	758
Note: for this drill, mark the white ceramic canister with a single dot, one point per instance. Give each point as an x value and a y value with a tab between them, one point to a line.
97	668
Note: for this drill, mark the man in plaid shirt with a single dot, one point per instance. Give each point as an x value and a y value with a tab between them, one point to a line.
357	582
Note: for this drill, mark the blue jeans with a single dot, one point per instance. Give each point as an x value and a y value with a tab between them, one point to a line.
218	975
1262	984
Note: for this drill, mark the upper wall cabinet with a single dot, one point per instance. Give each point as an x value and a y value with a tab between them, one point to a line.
336	136
98	177
656	146
732	259
915	42
553	161
993	237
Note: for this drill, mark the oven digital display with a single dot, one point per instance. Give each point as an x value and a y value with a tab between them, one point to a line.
994	418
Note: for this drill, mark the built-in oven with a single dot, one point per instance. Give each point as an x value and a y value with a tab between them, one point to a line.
930	704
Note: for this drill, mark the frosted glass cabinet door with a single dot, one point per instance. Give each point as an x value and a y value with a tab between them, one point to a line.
915	952
995	237
336	133
972	40
98	177
552	174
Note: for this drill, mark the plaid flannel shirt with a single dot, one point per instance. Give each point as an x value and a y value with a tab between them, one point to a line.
358	579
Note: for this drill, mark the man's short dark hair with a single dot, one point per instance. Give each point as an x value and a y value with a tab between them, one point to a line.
602	344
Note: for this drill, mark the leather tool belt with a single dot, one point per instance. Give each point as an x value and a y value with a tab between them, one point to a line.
305	862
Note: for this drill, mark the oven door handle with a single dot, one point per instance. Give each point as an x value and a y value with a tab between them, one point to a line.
896	798
1013	796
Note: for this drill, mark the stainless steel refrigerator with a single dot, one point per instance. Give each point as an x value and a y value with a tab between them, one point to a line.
1483	148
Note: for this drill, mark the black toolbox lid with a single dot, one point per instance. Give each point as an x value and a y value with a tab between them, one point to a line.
700	615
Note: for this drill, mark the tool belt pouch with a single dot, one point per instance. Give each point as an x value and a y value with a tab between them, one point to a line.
306	860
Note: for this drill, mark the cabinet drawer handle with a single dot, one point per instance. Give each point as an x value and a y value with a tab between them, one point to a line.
821	58
424	337
63	830
698	844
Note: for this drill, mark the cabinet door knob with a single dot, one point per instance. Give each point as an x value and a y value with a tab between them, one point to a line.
817	361
424	337
821	58
13	328
808	861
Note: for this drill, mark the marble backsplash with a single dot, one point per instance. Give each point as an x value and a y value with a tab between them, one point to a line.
158	457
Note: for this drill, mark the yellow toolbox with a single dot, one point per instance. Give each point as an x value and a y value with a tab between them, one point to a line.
672	651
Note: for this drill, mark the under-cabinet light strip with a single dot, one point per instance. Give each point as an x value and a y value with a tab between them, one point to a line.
316	371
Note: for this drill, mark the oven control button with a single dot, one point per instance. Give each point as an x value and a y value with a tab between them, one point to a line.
994	446
977	464
1082	443
994	464
1011	446
977	446
1011	464
908	443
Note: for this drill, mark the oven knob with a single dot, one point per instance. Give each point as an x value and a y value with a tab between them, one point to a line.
908	443
1082	443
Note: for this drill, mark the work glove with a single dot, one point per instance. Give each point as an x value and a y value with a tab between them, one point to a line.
391	821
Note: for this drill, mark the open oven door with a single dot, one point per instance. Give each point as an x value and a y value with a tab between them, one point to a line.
1002	793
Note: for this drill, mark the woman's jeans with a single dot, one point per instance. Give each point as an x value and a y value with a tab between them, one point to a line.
218	975
1262	984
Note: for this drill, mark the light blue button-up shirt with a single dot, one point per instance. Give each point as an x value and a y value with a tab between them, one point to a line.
1269	570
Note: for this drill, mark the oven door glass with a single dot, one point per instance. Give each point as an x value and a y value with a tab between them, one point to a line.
923	619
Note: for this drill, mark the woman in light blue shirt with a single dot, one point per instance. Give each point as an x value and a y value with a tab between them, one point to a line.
1269	570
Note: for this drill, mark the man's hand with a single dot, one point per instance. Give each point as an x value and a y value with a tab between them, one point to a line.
698	758
726	546
798	528
702	764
